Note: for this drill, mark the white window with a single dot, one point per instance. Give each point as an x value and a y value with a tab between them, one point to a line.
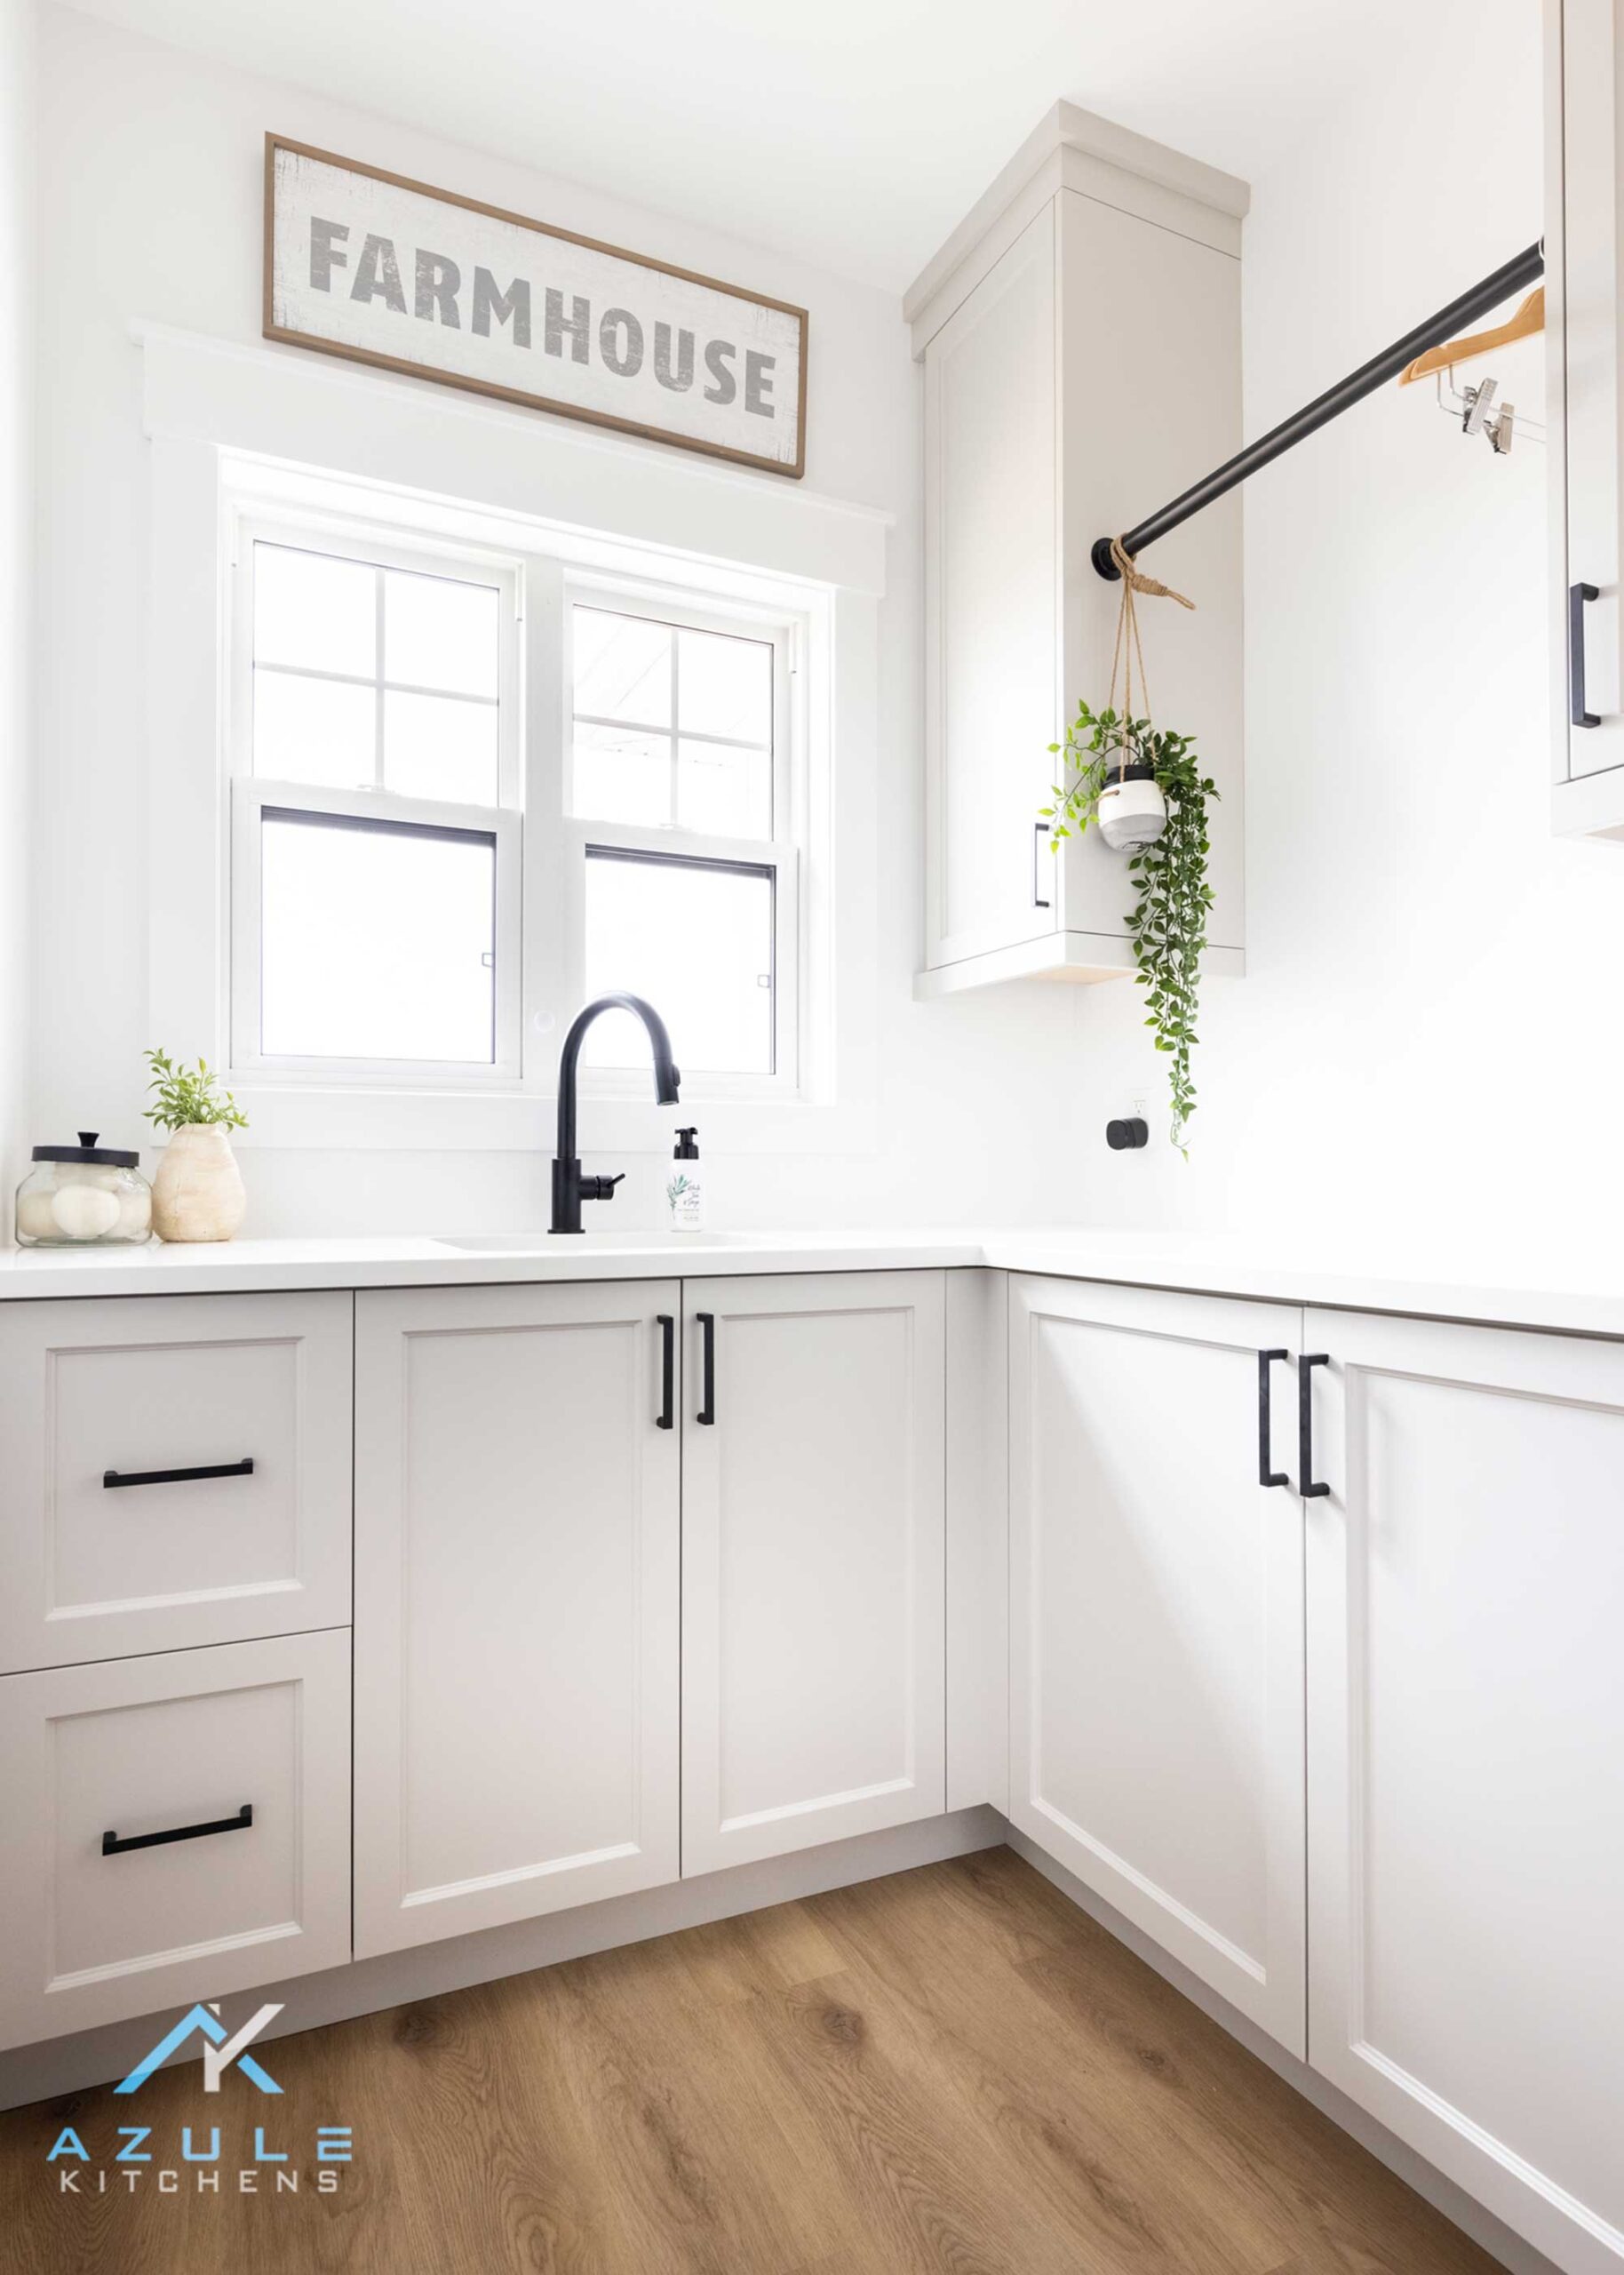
433	862
683	804
375	871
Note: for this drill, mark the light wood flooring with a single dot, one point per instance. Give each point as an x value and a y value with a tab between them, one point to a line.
949	2070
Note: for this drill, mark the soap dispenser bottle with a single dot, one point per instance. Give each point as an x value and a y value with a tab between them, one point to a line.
684	1193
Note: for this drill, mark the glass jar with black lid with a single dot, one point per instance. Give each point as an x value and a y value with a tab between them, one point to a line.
83	1197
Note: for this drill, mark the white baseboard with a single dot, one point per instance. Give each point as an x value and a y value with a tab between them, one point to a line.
1482	2226
95	2057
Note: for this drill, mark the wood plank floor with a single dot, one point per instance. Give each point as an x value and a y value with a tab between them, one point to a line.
950	2070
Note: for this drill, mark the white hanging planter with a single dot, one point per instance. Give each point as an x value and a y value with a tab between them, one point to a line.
1132	810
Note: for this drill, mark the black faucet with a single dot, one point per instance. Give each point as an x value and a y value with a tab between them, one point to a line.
569	1187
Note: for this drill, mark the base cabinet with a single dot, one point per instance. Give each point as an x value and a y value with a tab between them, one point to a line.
171	1828
813	1517
517	1524
1466	1760
1156	1625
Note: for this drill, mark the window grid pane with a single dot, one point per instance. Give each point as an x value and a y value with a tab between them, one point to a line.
705	699
695	937
377	939
428	661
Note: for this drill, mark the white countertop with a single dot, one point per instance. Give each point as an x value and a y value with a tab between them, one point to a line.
1579	1296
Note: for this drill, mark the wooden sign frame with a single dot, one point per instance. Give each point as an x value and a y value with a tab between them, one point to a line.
594	415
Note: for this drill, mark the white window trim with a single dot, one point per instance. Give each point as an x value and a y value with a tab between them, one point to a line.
254	419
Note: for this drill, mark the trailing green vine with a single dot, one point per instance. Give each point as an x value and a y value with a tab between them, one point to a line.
1168	924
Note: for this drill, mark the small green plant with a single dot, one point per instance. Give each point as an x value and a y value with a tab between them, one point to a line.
187	1094
1168	924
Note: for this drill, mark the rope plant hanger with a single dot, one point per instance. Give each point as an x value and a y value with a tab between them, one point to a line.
1140	784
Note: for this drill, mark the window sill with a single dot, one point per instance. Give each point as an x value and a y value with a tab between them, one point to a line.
457	1122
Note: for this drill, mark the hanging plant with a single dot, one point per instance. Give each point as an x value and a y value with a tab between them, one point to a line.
1141	785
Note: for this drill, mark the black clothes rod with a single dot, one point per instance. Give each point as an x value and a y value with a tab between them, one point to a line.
1515	274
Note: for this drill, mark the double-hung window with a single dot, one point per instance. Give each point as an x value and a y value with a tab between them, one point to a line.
376	831
471	790
682	807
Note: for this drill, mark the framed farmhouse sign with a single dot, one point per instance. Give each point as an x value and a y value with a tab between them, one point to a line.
367	265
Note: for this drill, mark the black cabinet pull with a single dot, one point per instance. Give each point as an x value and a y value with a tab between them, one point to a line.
1265	1452
177	1476
112	1845
666	1419
1306	1365
1039	829
1578	717
707	1344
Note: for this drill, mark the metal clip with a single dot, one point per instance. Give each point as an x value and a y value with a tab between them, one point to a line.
1479	403
1480	416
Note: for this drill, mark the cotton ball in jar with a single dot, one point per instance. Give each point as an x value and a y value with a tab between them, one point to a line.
135	1212
34	1218
84	1212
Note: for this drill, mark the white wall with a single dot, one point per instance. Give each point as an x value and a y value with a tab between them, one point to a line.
1423	1041
151	177
17	102
1427	1042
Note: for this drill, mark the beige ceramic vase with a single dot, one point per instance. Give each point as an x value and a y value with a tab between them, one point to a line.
198	1193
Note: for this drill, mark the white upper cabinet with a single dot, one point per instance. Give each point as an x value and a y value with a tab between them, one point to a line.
812	1516
991	572
1156	1720
517	1528
1080	338
1584	256
1465	1760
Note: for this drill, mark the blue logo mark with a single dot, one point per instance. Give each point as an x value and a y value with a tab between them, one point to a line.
220	2050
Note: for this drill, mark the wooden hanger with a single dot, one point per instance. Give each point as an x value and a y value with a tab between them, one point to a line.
1528	319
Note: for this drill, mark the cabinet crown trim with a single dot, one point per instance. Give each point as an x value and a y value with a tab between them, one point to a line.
1069	127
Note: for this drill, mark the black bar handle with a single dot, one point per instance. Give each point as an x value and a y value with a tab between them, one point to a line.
112	1845
1578	717
177	1476
707	1344
1039	829
666	1418
1265	1445
1306	1364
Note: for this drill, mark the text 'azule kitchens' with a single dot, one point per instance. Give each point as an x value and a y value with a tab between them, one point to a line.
441	295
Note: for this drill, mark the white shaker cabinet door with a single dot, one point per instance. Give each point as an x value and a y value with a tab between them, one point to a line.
1156	1623
171	1828
1584	311
174	1471
814	1697
516	1575
1465	1760
991	469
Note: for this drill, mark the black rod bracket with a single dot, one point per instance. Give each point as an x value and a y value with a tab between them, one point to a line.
1514	275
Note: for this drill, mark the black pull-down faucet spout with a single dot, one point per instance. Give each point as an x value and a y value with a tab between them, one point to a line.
569	1187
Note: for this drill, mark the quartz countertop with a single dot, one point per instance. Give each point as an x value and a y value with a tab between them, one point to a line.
1582	1294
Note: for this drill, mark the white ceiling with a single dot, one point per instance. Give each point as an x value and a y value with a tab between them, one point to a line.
853	132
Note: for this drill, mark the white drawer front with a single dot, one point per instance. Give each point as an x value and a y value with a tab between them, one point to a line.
135	1747
122	1389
